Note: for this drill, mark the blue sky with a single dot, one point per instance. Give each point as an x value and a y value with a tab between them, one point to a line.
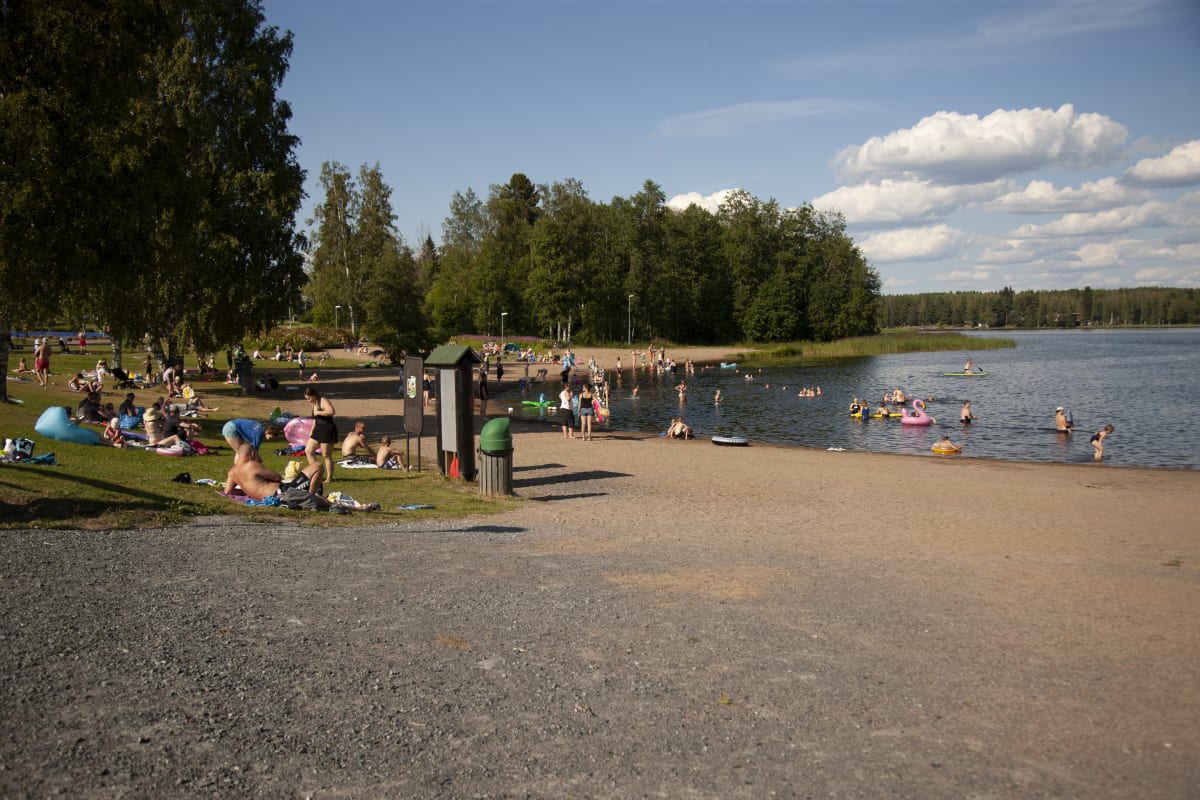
970	145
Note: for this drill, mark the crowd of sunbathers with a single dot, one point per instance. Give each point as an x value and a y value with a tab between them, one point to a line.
166	424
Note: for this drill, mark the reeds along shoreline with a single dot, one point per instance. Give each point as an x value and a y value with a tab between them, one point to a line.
886	344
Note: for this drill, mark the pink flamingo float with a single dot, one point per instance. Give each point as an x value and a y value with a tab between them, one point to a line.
917	415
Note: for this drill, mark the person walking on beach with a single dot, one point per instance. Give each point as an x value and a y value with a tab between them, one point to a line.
564	412
1098	441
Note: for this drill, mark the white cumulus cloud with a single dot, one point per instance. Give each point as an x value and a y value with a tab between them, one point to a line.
965	148
1041	197
892	201
932	242
1188	276
710	203
1180	167
960	275
1125	218
1119	252
1010	251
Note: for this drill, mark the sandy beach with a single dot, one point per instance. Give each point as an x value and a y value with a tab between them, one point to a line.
646	618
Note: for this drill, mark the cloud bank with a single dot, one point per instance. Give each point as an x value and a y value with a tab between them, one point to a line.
954	188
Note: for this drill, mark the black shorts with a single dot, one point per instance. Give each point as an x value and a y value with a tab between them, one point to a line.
324	430
568	417
301	482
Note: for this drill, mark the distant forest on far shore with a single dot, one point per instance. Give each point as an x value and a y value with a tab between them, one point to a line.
1043	308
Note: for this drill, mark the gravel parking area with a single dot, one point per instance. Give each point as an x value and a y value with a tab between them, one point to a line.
605	638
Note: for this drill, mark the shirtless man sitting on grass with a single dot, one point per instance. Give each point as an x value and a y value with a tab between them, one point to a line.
355	445
258	481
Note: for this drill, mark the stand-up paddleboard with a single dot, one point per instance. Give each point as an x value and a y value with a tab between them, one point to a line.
964	374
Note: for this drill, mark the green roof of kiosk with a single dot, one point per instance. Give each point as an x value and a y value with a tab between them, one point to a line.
449	355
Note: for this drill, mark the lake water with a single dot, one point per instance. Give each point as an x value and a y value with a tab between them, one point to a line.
1144	382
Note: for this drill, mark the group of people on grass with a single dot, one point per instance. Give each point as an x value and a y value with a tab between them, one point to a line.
245	438
163	421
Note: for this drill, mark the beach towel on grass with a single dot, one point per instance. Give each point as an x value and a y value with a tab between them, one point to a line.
46	460
358	462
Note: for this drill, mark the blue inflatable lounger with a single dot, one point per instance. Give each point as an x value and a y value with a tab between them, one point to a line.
54	424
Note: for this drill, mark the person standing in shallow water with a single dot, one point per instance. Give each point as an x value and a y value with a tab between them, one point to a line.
1098	441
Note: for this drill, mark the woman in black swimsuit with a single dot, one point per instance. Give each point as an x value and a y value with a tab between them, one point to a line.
324	432
587	411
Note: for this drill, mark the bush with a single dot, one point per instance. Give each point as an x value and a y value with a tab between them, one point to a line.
300	337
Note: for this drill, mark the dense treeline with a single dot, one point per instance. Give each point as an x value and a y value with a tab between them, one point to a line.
148	181
554	263
1042	308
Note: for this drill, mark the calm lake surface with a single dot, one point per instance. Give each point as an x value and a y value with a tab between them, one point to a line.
1144	382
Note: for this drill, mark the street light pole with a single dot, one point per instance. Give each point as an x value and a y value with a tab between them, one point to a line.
336	309
503	314
629	320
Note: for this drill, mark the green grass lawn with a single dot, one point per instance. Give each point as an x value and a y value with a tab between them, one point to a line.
102	487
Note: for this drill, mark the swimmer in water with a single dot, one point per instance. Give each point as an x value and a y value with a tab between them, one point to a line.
946	446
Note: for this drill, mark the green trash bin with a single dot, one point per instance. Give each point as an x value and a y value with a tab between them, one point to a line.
495	458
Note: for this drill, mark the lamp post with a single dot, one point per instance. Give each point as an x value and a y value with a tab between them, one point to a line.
503	314
629	320
336	309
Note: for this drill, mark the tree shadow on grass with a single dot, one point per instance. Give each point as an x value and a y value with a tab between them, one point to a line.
42	508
